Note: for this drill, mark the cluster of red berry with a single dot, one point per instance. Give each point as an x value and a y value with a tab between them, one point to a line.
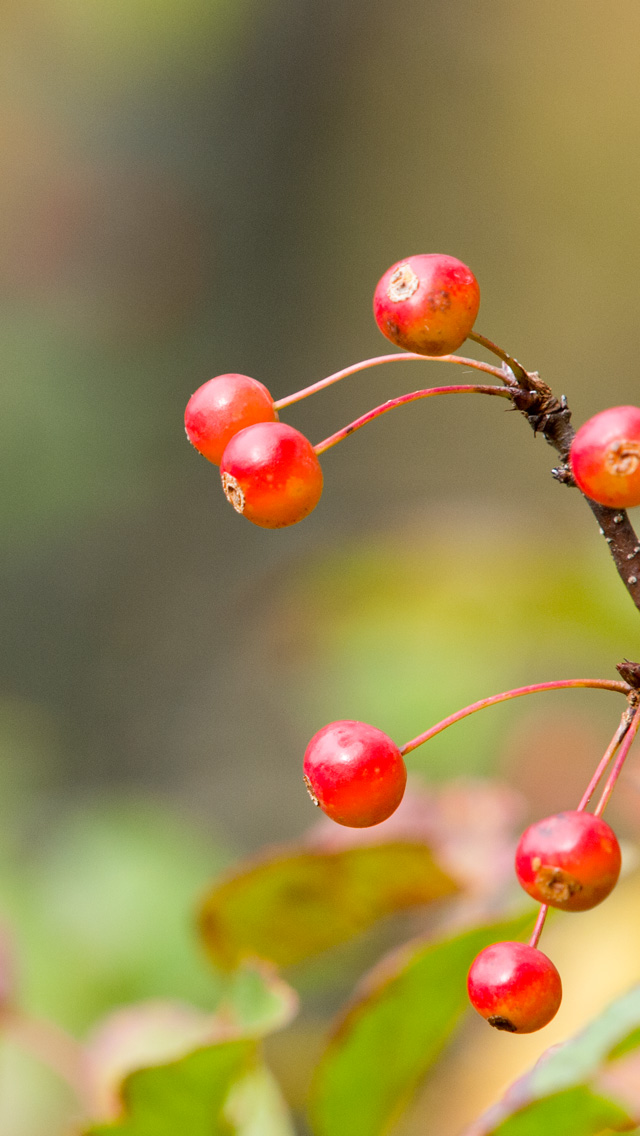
428	305
270	471
271	474
356	774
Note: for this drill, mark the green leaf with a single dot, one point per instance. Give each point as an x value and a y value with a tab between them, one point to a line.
164	1058
394	1031
290	905
561	1094
575	1112
185	1096
256	1106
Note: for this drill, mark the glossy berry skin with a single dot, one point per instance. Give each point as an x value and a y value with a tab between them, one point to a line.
570	861
605	457
223	406
355	773
427	304
515	987
271	474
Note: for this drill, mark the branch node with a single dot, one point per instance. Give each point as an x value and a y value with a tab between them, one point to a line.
563	474
630	672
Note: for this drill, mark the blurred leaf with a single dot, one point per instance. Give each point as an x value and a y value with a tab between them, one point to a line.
186	1096
289	905
158	1032
575	1112
256	1106
256	1000
394	1031
561	1094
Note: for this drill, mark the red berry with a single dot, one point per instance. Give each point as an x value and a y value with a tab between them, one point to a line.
355	773
605	457
223	406
271	474
515	987
571	861
427	304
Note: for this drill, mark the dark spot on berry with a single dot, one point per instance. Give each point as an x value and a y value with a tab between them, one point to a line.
440	301
233	492
311	792
502	1024
556	885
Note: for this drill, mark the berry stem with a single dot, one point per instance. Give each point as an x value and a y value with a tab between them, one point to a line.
512	364
618	764
605	759
540	921
430	392
517	692
626	731
405	357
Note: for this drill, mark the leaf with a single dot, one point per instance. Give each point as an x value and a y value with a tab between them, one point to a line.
292	904
163	1035
562	1093
403	1014
187	1095
575	1112
256	1106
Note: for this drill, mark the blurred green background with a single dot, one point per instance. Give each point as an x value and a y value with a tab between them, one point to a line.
197	186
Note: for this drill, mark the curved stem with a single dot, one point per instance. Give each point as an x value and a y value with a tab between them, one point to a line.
512	364
406	357
53	1047
517	692
429	392
619	762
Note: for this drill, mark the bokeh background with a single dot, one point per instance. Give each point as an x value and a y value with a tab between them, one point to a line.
197	186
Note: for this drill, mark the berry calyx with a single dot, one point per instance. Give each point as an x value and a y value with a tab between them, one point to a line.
355	773
515	987
427	303
605	457
571	861
223	406
271	474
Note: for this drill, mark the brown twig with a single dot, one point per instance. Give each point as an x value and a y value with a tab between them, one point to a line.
552	418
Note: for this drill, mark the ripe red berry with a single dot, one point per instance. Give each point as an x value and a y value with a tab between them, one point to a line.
355	773
271	474
515	987
605	457
223	406
571	860
427	304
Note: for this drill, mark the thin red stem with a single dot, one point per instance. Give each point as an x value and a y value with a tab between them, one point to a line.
430	392
406	357
619	762
517	692
540	921
604	761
